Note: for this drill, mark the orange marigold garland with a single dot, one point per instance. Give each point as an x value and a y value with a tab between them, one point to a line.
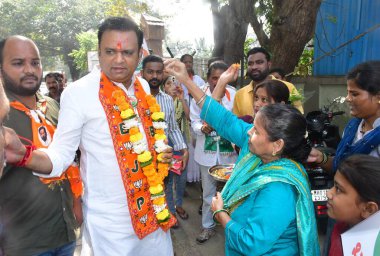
155	177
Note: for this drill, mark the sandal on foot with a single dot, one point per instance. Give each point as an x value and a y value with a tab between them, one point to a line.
176	225
182	213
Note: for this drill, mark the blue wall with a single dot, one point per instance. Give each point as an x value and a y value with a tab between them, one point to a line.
339	21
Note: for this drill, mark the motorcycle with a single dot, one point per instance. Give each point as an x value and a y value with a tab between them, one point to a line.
324	136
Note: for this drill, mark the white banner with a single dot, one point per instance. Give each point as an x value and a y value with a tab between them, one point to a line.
364	238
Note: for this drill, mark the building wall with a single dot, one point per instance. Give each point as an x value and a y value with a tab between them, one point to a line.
321	91
338	22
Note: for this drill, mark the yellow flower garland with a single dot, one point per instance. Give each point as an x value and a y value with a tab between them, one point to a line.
154	177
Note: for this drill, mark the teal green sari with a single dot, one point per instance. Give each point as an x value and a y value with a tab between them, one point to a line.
250	175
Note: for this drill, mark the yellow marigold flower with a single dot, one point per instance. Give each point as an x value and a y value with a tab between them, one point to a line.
144	157
136	137
155	108
160	136
160	131
155	181
156	189
123	106
158	116
160	177
149	170
164	214
151	100
134	130
120	100
159	201
159	157
163	166
126	114
117	94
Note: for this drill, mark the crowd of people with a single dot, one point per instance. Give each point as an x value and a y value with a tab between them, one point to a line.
117	158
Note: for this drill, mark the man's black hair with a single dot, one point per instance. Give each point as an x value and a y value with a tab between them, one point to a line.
2	44
213	59
280	71
217	65
56	75
257	50
186	55
151	58
120	24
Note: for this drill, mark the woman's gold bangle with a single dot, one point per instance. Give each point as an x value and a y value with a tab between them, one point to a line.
325	158
201	99
218	211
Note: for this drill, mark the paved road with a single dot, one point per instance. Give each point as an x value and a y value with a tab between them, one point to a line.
184	237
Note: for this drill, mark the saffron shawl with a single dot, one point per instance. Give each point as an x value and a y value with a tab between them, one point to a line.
136	185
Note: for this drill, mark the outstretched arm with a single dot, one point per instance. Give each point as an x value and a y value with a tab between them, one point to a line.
15	151
176	68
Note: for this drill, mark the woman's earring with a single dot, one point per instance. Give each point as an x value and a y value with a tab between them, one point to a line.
274	153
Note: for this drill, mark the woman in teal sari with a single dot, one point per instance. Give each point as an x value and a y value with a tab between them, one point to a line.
266	206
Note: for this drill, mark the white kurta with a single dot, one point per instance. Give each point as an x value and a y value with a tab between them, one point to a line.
107	224
200	156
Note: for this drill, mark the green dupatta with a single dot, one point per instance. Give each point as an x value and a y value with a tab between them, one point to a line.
250	175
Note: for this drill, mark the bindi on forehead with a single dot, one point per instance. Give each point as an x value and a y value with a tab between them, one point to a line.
122	43
118	45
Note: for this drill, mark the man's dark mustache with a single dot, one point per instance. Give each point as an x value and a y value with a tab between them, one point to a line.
28	77
154	80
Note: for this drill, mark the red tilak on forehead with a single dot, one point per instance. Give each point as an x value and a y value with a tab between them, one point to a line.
118	45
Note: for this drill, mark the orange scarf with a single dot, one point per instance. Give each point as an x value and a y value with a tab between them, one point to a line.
42	132
136	185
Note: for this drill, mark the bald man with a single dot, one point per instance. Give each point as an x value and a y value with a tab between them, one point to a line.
37	217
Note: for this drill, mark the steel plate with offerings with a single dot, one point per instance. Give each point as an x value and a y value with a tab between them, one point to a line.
221	172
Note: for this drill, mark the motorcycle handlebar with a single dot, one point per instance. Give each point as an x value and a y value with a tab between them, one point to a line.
338	113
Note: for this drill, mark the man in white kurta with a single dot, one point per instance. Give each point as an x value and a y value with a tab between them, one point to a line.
83	123
107	225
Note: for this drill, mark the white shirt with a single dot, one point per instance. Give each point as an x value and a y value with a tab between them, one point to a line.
198	81
375	152
82	122
200	156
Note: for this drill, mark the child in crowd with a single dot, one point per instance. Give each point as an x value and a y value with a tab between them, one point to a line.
178	172
354	197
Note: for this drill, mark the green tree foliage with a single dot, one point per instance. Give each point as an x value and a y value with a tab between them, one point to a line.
248	44
88	41
305	66
55	24
52	24
124	7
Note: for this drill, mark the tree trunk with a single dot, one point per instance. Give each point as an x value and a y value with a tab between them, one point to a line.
230	30
219	24
69	61
293	27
